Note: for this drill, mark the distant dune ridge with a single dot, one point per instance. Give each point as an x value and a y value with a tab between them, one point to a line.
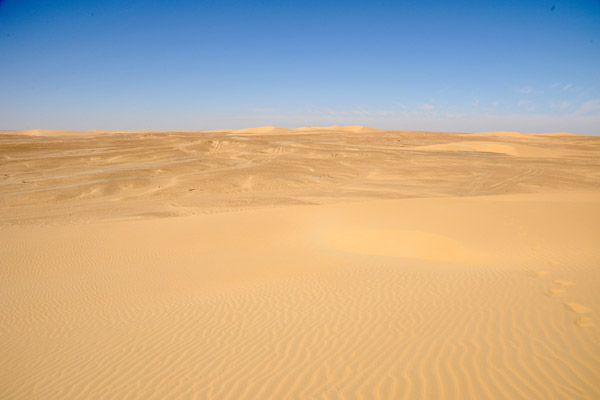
270	130
520	134
350	128
267	130
316	262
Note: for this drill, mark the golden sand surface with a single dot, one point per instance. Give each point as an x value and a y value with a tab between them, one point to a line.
310	263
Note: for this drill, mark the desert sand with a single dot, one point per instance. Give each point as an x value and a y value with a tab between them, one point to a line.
310	263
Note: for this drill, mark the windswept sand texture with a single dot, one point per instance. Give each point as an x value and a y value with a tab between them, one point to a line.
314	263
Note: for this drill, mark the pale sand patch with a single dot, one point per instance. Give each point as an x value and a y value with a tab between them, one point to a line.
578	308
554	292
495	147
564	283
408	244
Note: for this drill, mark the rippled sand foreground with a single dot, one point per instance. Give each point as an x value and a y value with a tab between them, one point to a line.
317	263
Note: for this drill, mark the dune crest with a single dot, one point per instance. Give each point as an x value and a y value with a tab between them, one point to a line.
347	128
263	130
560	134
49	132
518	135
521	135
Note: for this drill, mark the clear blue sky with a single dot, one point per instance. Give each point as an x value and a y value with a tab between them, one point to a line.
432	65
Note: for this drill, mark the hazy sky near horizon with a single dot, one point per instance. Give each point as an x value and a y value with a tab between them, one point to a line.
427	65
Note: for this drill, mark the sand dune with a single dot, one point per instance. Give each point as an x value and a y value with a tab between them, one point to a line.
517	135
496	147
338	128
267	264
49	132
264	130
521	135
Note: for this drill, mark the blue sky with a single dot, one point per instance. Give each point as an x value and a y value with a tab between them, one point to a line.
428	65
